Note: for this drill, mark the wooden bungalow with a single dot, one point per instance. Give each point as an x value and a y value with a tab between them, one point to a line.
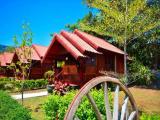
38	53
36	70
6	59
77	57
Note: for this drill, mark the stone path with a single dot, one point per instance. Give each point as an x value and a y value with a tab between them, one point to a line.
29	95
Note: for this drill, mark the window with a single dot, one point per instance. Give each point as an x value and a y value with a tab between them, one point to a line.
91	61
110	63
60	64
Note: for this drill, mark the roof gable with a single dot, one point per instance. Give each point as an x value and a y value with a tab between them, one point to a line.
69	47
80	44
34	55
66	44
97	43
41	50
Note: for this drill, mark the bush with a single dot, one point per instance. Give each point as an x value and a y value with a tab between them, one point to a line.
56	105
34	84
6	79
145	116
11	110
139	73
49	74
27	84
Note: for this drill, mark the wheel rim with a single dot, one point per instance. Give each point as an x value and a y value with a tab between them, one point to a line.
91	84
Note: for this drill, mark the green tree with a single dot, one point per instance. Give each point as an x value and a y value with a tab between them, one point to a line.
23	50
122	20
146	49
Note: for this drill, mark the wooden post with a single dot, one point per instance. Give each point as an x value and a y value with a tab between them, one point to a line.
115	64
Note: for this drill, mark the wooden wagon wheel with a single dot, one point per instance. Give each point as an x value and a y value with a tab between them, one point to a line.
116	116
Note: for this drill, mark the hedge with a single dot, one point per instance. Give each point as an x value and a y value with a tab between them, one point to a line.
11	110
56	105
15	85
6	79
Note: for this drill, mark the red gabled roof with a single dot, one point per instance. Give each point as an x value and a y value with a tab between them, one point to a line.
41	50
2	60
68	46
97	43
6	58
78	43
34	55
37	52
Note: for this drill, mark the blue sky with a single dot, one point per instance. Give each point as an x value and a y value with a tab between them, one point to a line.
45	17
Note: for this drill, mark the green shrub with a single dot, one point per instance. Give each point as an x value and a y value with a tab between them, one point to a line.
49	74
6	85
139	73
11	110
27	84
145	116
34	84
6	79
56	105
2	85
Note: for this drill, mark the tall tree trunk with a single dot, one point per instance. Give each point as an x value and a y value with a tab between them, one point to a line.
22	86
125	44
125	62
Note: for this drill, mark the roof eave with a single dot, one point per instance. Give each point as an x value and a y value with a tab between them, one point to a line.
100	49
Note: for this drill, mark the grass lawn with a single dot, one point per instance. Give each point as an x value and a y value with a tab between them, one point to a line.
35	105
147	100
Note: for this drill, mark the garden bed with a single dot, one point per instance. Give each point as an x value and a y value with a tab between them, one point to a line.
147	101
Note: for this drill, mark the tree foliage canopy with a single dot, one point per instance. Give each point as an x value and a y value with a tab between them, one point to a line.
112	18
23	50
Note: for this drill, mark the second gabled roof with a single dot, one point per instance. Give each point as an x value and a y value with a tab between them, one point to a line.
97	43
41	50
37	52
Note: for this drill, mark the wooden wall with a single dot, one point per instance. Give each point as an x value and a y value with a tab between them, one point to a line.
92	71
36	71
120	64
103	62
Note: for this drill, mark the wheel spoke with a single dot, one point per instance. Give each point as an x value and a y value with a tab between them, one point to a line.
132	115
106	100
98	114
76	118
127	113
124	107
116	104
